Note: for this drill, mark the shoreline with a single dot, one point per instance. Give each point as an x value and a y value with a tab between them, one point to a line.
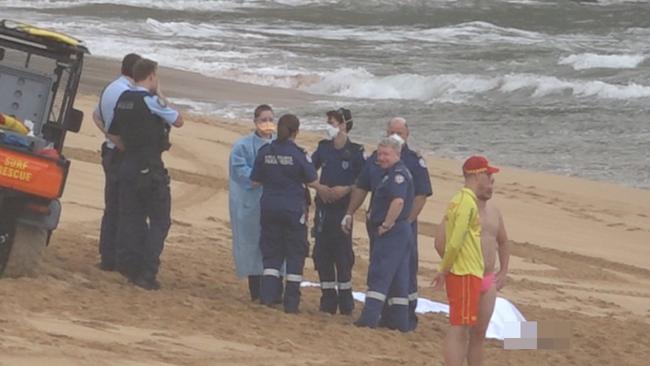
182	84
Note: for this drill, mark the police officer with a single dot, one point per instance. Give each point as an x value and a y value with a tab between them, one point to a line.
341	161
111	157
367	181
141	123
391	238
283	169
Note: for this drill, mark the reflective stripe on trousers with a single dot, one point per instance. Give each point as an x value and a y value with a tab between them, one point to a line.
398	301
271	272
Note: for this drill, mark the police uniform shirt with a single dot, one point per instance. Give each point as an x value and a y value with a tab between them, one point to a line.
283	168
155	105
108	100
340	167
396	182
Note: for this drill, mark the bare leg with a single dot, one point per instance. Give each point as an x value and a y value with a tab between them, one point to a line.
477	332
455	350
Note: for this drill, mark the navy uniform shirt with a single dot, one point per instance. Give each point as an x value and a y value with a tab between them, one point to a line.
340	167
396	182
283	168
371	173
419	171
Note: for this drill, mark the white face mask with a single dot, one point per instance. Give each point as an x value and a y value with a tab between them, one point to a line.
397	138
332	131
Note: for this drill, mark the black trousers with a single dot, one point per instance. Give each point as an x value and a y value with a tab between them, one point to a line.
111	159
145	209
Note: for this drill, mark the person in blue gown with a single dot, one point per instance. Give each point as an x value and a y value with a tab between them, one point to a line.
244	200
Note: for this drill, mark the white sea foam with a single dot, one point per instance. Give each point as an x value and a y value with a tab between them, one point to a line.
186	5
586	61
359	83
229	110
224	5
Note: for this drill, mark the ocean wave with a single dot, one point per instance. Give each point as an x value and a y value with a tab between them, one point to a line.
457	88
160	4
379	6
586	61
219	51
469	33
217	5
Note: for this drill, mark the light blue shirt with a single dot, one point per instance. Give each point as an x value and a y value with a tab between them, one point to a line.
106	107
158	107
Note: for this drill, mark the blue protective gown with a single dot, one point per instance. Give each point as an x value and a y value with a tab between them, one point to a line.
244	202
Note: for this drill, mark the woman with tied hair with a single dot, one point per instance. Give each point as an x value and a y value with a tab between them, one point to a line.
283	169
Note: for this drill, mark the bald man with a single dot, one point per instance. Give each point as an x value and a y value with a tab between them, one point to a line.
371	175
493	239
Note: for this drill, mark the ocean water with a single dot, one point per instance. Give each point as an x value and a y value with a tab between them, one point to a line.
558	86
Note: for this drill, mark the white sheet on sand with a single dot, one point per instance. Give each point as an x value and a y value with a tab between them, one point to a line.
504	312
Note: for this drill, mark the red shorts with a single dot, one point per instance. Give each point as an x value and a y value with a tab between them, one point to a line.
464	293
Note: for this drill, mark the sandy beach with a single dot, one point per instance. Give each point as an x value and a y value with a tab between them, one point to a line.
579	254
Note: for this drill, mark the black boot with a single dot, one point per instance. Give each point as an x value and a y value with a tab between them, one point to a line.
147	281
328	301
346	302
280	298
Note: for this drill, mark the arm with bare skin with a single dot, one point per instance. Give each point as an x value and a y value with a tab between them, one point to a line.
504	254
98	121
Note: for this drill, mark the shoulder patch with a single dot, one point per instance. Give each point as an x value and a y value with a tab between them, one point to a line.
399	179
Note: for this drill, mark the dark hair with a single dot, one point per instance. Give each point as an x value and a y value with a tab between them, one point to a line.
262	108
128	62
143	69
287	126
342	115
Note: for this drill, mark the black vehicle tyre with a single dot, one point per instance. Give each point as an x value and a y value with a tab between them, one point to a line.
27	245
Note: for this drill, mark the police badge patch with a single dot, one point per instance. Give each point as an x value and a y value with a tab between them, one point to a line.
399	179
423	163
345	164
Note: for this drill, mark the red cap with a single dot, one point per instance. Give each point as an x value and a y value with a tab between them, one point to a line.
478	164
